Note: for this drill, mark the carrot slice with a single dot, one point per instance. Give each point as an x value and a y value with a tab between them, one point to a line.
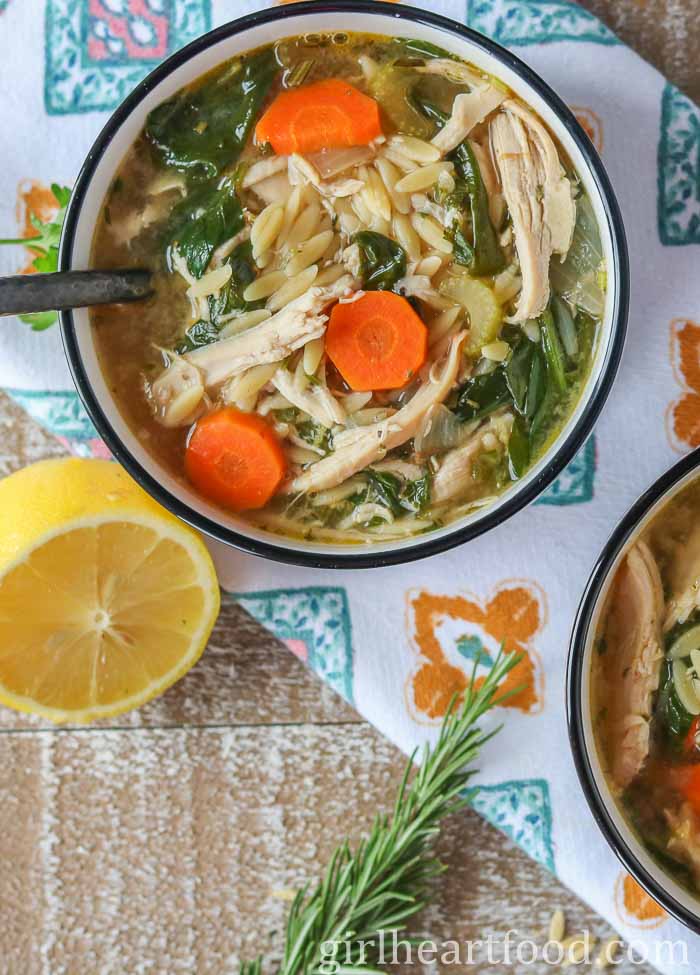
235	459
327	114
377	341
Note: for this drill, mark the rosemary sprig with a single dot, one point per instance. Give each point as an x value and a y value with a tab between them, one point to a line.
386	880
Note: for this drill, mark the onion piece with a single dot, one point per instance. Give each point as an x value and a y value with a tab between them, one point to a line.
690	640
441	430
330	162
683	683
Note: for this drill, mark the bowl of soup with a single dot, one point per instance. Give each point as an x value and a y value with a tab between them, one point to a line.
634	691
390	284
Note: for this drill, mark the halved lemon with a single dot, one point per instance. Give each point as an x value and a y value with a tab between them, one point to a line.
106	599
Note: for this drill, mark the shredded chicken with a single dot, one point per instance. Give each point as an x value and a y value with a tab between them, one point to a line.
317	401
273	340
468	109
633	667
557	198
177	395
684	580
373	442
539	199
455	476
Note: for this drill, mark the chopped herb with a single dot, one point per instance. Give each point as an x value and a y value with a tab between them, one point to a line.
396	493
45	246
482	395
315	434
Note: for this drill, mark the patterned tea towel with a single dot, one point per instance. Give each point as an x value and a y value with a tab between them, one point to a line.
398	642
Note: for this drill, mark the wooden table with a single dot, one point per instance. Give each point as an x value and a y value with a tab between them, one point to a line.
170	842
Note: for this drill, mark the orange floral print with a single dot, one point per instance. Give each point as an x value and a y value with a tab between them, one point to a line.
683	415
512	616
33	198
591	124
634	906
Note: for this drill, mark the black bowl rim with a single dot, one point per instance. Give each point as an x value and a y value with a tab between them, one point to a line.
428	546
574	683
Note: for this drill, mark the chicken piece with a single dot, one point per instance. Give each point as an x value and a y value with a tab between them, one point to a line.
271	341
374	441
538	194
317	401
633	661
177	395
684	843
684	580
455	476
468	109
557	200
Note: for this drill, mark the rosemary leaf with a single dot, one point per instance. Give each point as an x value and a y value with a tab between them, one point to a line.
387	880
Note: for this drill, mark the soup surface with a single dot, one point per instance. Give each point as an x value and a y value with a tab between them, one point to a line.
378	287
646	687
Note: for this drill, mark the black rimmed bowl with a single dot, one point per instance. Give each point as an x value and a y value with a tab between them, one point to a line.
625	843
266	27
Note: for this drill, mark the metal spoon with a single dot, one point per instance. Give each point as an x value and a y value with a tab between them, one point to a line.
22	294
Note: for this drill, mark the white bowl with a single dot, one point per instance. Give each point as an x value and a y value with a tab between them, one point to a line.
627	845
105	158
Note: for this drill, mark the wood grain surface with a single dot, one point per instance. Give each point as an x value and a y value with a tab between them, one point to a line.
169	843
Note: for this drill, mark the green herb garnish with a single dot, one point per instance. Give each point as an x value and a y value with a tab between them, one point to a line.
46	244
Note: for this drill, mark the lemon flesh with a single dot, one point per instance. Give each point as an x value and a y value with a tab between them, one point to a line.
106	599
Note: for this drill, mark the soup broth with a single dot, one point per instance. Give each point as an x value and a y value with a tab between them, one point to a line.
646	687
378	287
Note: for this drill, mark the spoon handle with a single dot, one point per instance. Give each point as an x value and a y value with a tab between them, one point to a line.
22	294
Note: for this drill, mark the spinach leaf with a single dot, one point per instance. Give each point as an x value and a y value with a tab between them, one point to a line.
518	448
537	383
204	129
482	395
669	709
462	250
423	49
197	335
488	256
554	354
418	492
397	494
517	369
208	216
428	108
382	260
230	298
387	488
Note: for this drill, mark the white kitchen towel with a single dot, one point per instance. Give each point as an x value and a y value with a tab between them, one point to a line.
398	642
